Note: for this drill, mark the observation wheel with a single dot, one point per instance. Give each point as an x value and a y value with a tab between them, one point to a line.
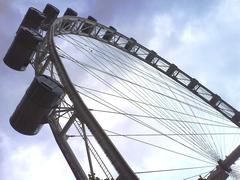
127	113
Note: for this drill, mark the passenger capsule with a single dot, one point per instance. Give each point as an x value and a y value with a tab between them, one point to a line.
193	83
32	19
51	13
22	48
43	94
151	55
172	68
88	27
70	12
109	33
130	44
67	23
236	117
215	100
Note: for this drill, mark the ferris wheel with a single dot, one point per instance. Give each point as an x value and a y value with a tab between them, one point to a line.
117	109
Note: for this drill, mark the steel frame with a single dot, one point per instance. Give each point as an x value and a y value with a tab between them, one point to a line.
72	25
47	53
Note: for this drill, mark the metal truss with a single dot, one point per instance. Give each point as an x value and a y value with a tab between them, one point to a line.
48	61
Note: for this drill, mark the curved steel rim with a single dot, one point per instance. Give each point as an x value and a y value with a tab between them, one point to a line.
119	41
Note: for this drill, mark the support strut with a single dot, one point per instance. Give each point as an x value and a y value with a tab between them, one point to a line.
224	167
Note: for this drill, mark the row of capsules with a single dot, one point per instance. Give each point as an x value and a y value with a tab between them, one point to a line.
44	93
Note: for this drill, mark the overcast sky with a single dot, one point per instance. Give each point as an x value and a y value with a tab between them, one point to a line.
200	37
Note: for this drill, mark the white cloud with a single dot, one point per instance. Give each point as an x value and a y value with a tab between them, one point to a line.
34	161
205	47
163	29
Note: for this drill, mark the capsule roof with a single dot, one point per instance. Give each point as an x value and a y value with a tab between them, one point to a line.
51	13
70	12
32	19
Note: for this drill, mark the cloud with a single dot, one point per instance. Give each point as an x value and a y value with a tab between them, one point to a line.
32	162
30	158
208	40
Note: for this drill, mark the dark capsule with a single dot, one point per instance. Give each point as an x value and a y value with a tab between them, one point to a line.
172	68
32	112
193	83
51	13
151	55
32	19
70	12
22	48
215	100
130	44
67	23
109	33
236	117
88	27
